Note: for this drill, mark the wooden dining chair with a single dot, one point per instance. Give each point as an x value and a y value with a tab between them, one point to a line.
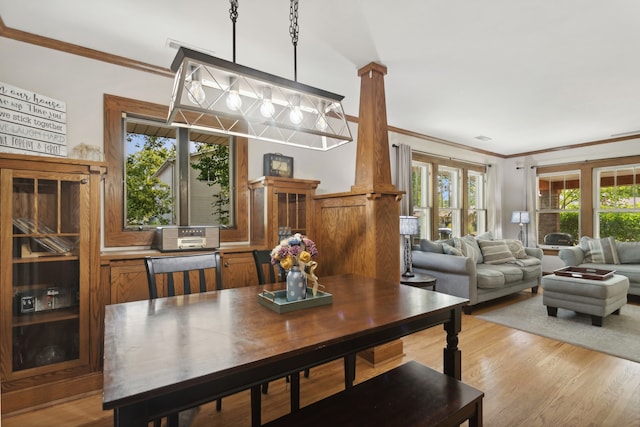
275	274
165	273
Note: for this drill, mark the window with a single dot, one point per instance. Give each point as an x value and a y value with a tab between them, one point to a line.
449	197
558	204
421	189
449	202
617	211
157	190
171	185
477	206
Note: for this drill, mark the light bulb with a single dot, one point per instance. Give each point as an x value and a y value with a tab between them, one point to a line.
267	109
321	123
196	93
295	115
234	102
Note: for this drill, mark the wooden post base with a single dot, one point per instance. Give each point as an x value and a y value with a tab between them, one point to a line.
383	353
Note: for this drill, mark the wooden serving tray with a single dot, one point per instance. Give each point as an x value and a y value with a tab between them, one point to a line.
277	300
584	273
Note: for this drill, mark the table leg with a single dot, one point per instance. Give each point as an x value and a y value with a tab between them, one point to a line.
256	406
451	355
130	416
349	370
295	391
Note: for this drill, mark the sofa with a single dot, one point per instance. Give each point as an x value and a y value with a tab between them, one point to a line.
479	268
606	254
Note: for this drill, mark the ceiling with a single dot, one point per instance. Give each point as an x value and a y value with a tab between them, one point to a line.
529	75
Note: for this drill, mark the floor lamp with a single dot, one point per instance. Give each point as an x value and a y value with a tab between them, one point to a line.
521	218
408	228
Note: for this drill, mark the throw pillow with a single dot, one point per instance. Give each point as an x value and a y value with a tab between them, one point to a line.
488	235
599	251
451	250
495	252
517	248
466	249
429	246
471	241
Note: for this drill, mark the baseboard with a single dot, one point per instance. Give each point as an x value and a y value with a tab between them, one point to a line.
31	398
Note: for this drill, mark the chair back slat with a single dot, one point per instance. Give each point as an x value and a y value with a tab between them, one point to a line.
262	258
166	266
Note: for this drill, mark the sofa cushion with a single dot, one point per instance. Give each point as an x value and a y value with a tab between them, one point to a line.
628	252
495	252
511	272
528	262
599	251
489	278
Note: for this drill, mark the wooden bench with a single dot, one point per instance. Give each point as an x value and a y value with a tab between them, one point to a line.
409	395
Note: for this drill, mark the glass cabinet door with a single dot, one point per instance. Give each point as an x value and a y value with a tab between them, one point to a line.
48	273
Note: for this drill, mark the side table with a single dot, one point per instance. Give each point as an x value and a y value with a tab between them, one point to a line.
419	280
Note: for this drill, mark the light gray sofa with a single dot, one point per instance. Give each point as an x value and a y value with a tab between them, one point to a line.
474	279
623	257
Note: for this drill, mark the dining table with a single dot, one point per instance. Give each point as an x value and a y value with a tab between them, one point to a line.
169	354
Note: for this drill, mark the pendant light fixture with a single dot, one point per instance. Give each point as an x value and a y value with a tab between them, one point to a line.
213	94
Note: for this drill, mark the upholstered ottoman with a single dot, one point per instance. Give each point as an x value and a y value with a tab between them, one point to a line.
599	298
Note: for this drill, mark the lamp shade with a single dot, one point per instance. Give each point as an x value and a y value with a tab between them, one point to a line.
212	94
409	225
520	217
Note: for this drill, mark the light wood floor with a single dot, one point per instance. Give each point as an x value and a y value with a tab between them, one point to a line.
527	380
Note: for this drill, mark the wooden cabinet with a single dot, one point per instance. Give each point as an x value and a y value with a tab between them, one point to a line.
238	269
49	241
280	207
126	277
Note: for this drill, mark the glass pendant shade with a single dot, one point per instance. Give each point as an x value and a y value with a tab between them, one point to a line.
242	101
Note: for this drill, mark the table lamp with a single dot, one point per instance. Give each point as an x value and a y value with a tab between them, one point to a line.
408	228
521	218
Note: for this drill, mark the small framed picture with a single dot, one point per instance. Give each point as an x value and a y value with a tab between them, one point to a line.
275	164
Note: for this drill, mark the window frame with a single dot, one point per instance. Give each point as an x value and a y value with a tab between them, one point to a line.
115	232
587	193
435	163
559	210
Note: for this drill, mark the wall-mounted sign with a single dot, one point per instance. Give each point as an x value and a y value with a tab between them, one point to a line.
31	123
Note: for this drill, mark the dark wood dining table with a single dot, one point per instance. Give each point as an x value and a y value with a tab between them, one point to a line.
170	354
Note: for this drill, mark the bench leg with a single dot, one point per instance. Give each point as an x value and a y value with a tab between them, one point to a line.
552	311
534	289
617	312
476	419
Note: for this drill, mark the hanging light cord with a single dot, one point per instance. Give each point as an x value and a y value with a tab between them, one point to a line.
293	31
233	14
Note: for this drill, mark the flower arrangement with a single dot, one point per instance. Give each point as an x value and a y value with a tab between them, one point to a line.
297	250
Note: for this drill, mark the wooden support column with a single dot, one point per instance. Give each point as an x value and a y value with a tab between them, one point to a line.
361	228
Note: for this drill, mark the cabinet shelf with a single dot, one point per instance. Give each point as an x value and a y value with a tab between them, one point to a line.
48	258
45	317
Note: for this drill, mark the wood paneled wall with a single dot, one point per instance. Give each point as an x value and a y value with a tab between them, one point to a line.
364	230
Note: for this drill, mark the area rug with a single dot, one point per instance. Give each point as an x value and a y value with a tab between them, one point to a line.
618	336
